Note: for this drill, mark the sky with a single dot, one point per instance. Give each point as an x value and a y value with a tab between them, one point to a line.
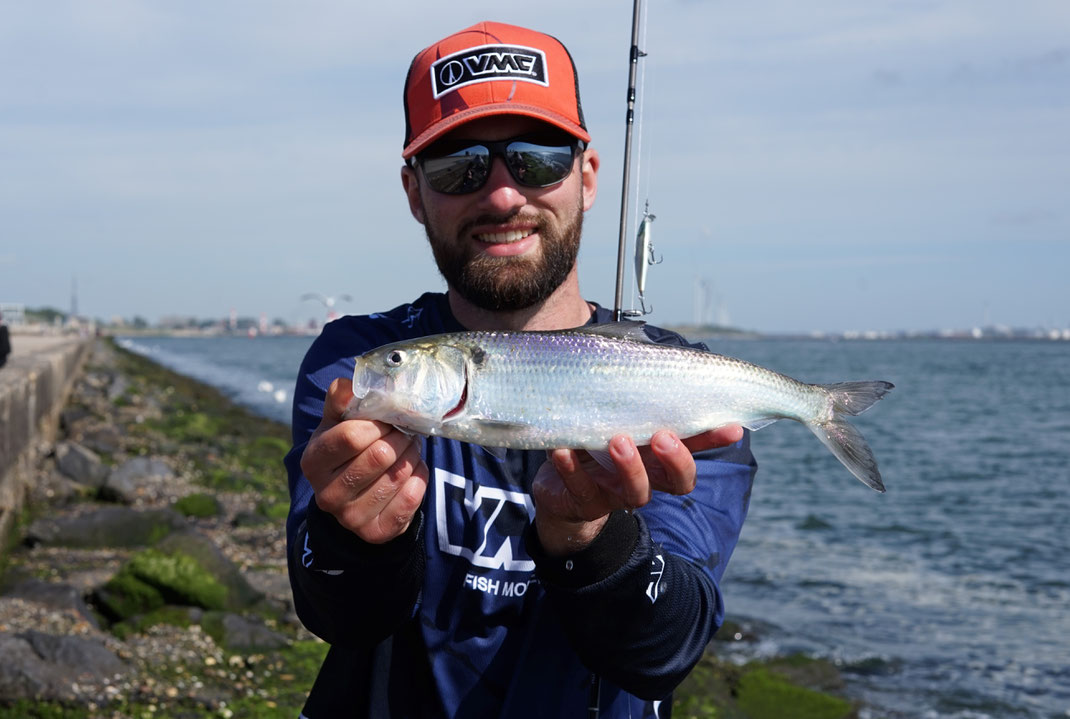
821	166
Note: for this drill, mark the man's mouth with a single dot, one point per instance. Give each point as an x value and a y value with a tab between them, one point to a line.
506	237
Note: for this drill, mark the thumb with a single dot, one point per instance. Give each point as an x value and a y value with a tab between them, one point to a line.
339	395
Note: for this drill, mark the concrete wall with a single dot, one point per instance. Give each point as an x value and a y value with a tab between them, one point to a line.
34	385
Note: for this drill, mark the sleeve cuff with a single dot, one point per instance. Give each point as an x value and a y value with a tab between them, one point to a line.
607	554
338	548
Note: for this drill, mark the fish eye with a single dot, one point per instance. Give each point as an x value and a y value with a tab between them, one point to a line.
395	358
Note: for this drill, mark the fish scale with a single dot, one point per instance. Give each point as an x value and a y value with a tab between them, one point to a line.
579	388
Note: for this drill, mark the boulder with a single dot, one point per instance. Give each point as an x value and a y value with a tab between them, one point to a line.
53	595
117	387
141	469
106	527
241	634
104	438
239	593
124	481
80	464
186	569
71	417
39	666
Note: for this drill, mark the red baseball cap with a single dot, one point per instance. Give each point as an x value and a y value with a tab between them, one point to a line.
490	69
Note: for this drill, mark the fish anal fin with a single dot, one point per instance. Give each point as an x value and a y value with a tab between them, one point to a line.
755	425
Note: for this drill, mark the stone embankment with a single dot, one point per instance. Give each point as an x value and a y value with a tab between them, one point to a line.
144	565
34	385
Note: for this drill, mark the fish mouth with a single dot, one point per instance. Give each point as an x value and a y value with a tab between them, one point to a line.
461	402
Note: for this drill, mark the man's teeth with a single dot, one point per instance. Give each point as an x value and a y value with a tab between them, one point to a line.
504	237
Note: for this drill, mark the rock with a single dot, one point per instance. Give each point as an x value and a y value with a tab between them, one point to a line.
107	527
124	482
53	595
241	634
96	382
240	594
56	489
104	438
117	387
249	518
71	417
186	569
278	597
80	464
117	488
141	469
46	667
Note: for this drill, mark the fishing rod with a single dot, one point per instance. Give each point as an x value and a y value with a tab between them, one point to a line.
644	255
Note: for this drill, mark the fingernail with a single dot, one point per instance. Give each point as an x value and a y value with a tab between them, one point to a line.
665	443
623	448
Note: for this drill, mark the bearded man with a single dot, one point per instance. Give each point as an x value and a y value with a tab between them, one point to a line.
453	583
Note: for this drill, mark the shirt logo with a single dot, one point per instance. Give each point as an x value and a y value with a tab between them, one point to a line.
486	63
482	524
657	568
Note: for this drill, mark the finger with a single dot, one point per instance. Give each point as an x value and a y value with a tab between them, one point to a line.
331	448
631	483
575	479
339	395
399	512
720	437
375	514
377	460
677	475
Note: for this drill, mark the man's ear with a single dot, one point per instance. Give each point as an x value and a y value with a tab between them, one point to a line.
411	183
589	169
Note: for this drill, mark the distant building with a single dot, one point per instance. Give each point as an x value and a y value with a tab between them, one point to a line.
14	313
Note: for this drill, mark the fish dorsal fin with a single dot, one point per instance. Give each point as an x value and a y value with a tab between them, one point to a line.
625	330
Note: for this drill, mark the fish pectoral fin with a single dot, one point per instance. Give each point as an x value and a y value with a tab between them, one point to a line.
497	425
497	452
605	461
757	424
494	428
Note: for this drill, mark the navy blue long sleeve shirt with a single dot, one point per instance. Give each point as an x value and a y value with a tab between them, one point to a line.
464	615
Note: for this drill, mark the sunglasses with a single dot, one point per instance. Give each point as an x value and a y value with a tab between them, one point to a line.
462	166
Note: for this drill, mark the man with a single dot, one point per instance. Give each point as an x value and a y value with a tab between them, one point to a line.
452	583
5	342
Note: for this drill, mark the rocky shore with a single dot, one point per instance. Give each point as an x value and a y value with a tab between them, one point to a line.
147	577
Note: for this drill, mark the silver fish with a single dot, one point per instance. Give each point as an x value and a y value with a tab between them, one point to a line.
579	388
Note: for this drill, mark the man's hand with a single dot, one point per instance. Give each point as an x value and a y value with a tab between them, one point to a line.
367	474
574	495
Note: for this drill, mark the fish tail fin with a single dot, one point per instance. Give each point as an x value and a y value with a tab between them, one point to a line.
856	397
842	439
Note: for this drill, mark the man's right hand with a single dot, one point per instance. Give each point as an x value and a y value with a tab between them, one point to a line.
367	474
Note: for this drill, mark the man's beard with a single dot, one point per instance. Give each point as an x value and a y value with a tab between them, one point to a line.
506	284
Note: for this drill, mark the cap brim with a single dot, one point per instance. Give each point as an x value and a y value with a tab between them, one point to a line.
454	121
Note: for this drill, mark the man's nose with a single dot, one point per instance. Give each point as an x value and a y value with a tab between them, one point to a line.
502	192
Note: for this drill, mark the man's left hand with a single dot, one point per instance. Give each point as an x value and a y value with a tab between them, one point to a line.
574	494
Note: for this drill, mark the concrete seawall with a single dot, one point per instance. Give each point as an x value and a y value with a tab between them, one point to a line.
34	385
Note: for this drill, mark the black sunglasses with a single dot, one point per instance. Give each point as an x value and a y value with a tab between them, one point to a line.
462	166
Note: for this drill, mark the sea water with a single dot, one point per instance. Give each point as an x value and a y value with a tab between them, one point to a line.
948	596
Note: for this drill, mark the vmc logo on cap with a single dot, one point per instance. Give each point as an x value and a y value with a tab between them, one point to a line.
485	63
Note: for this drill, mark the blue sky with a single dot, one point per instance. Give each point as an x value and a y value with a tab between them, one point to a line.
832	165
